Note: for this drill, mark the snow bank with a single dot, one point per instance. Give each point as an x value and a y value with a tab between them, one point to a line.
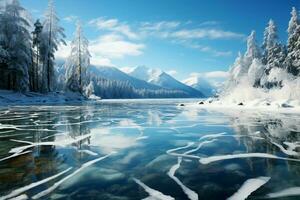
244	92
248	187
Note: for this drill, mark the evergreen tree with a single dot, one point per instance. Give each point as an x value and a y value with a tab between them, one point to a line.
292	61
253	50
52	36
274	54
270	40
78	62
15	51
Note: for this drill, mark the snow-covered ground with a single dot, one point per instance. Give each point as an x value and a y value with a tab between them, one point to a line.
17	98
264	104
246	97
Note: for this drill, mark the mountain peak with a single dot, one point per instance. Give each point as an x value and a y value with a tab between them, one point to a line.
162	79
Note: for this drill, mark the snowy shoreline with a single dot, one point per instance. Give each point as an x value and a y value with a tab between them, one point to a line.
13	98
279	106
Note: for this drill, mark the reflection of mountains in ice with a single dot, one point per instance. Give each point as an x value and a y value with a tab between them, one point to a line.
153	151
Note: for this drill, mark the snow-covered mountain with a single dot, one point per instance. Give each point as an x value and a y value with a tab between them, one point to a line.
202	85
162	79
112	73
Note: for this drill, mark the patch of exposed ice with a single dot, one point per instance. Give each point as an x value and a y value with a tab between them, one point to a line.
62	143
89	152
57	184
245	155
212	136
32	185
293	191
21	197
170	151
154	194
218	135
248	187
190	193
14	155
6	131
201	144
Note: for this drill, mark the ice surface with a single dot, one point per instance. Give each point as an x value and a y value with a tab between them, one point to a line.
14	155
245	155
225	135
190	193
32	185
154	194
21	197
170	151
248	187
211	136
201	144
57	184
63	143
293	191
10	97
89	152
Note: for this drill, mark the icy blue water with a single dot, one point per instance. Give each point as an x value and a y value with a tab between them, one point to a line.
147	149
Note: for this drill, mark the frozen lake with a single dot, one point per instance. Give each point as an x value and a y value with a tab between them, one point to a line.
149	149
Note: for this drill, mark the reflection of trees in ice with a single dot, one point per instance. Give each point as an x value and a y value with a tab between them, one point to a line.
280	130
266	136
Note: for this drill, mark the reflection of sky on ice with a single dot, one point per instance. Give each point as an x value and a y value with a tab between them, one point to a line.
170	152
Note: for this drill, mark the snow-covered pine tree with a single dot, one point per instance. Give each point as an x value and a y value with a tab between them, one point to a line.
294	22
78	62
15	42
270	40
239	70
274	54
292	61
52	36
235	72
252	60
253	50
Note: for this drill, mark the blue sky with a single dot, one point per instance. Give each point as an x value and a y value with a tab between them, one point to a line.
179	36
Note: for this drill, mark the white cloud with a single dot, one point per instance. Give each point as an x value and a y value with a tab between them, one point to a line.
204	33
206	49
215	78
71	19
113	25
159	26
213	74
185	33
209	23
114	46
105	48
